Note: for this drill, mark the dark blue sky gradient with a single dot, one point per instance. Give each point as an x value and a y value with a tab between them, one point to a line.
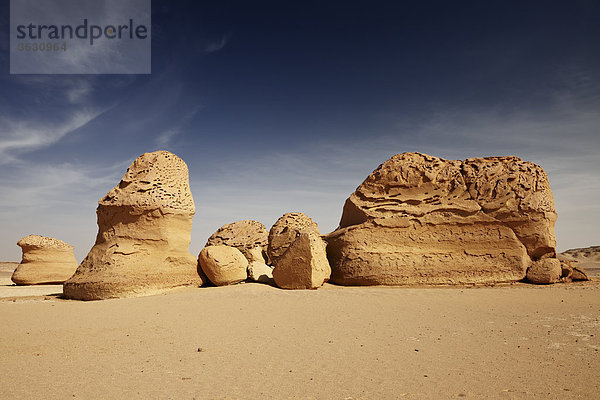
277	106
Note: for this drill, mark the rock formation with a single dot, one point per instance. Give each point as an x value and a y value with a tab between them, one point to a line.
256	254
260	272
285	231
516	193
419	219
304	264
571	271
223	265
144	229
243	235
575	260
545	271
45	260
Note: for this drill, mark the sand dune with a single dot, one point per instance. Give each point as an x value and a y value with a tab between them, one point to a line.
252	341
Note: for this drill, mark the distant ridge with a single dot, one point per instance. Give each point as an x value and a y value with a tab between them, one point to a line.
587	257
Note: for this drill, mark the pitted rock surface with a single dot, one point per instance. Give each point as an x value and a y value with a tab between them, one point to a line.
419	219
144	230
45	260
243	235
286	230
304	265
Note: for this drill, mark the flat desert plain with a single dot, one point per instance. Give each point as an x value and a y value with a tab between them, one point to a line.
252	341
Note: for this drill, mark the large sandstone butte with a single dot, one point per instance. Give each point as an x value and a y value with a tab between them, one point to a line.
45	260
144	229
419	219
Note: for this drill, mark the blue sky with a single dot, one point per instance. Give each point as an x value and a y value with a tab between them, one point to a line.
281	106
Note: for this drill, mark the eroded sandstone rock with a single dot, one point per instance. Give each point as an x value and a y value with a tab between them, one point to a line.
518	194
243	235
583	262
419	219
223	265
579	274
257	254
45	260
285	231
304	264
571	271
260	272
144	228
544	271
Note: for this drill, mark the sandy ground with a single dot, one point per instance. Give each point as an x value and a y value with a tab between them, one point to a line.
9	289
253	341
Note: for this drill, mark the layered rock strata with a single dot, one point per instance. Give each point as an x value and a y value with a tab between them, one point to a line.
144	230
45	260
419	219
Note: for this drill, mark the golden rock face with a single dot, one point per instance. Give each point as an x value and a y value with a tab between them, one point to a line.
304	264
246	236
223	265
45	260
419	219
285	231
144	231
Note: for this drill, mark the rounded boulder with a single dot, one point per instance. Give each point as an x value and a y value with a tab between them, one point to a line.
223	265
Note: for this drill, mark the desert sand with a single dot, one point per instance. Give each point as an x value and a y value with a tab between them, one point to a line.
252	341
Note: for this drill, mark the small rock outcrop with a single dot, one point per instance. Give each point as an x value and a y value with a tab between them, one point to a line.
545	271
223	265
571	271
582	262
243	235
419	219
260	272
304	264
257	255
144	231
285	231
45	260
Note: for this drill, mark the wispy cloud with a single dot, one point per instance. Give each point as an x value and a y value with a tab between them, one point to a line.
165	137
23	136
43	186
217	45
70	90
79	92
57	200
